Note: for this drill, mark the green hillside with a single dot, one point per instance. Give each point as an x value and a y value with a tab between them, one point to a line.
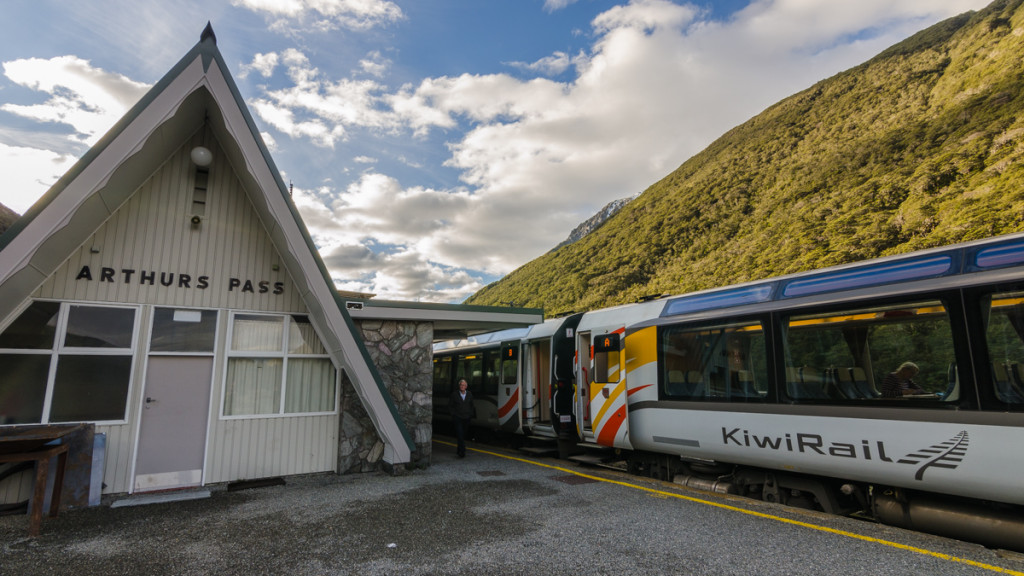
919	147
7	218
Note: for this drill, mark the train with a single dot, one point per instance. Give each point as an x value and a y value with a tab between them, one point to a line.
890	389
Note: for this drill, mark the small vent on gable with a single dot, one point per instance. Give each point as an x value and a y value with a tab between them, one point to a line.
199	192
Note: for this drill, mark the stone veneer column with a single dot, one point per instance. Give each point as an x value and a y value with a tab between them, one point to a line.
403	354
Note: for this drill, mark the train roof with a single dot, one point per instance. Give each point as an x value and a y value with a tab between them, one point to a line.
482	339
548	328
990	255
619	316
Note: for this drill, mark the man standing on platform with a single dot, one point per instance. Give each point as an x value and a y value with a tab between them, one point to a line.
463	410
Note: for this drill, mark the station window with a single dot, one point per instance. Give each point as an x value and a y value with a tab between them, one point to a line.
67	362
1004	332
725	363
858	354
277	365
183	330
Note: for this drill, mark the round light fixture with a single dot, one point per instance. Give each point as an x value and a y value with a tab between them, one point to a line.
202	156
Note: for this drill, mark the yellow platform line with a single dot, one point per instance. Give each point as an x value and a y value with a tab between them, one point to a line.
817	527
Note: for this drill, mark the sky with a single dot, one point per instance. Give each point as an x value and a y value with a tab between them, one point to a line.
434	146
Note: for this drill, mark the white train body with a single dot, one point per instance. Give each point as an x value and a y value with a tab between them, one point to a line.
601	387
893	386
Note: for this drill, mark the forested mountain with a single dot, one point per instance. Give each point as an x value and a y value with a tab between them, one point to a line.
7	218
594	222
921	146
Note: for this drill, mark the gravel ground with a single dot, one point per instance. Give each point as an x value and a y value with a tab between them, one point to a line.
485	514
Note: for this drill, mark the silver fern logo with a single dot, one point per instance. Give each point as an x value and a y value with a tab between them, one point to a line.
948	454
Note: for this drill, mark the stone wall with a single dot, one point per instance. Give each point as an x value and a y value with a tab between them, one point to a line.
402	353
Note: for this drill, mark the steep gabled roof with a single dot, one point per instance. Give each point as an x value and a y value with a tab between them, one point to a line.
198	90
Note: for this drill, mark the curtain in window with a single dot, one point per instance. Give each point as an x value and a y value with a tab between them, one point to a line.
252	333
310	385
253	386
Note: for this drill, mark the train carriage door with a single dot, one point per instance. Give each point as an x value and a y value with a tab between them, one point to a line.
470	367
585	379
443	386
540	381
509	394
563	374
609	391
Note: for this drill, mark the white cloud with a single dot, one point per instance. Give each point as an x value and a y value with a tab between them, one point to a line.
375	64
324	15
283	119
82	103
348	232
552	5
268	139
263	64
318	108
87	99
552	65
659	83
646	15
29	172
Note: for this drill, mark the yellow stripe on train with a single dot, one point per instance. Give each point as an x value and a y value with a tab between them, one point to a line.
641	348
616	392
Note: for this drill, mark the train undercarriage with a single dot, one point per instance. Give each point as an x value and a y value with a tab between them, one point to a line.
991	524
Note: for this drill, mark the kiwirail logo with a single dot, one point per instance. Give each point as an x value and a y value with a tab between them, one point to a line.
948	454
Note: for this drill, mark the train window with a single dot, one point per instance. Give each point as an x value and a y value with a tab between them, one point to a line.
726	363
469	367
606	358
509	363
492	360
1004	332
901	351
442	377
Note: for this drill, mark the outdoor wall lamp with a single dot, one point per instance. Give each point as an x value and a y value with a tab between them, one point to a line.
201	156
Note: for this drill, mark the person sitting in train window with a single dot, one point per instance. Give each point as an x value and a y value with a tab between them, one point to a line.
899	383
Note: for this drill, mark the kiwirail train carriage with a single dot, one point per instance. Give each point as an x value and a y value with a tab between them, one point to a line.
600	410
477	359
514	376
892	388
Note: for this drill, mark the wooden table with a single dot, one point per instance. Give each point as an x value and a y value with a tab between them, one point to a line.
33	444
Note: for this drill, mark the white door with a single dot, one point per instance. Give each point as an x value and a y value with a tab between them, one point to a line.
172	436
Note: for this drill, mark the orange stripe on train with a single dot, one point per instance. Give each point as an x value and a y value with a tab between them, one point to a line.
509	406
606	437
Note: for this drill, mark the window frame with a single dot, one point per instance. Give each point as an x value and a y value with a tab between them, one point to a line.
59	348
984	394
615	346
284	354
152	325
512	357
766	322
951	300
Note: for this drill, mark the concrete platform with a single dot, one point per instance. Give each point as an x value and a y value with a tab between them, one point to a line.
493	512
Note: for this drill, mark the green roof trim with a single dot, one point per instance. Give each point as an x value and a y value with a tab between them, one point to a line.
374	303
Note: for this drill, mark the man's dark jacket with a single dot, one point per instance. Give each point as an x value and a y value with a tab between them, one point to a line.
460	408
